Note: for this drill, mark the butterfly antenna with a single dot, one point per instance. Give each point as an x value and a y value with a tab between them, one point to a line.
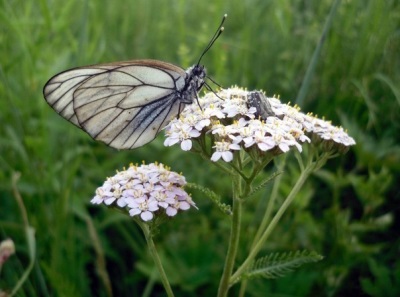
211	90
214	38
214	82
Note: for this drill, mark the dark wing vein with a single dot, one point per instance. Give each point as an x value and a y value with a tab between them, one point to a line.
150	124
150	116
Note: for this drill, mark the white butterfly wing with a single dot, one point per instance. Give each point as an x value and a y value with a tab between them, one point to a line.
122	104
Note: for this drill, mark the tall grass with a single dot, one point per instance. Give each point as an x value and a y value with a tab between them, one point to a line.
266	45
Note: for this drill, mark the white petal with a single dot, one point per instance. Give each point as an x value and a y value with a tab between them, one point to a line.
227	156
96	200
153	205
163	204
234	146
186	145
216	156
134	212
121	202
170	141
284	147
109	200
171	211
194	133
184	205
146	216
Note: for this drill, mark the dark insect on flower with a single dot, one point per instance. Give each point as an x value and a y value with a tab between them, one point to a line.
263	108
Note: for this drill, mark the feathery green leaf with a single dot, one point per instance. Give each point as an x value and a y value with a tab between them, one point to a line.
279	264
225	208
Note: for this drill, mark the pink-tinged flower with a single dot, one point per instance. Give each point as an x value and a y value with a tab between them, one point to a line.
144	208
109	193
145	190
7	248
172	210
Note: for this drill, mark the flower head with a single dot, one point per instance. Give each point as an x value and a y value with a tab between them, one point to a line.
145	190
237	119
7	248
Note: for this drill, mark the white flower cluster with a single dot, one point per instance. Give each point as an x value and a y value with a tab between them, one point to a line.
145	190
234	126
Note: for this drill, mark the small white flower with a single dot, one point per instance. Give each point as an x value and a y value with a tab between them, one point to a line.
263	142
181	132
223	149
202	123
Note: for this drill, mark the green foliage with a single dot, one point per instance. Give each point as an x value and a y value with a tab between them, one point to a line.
226	209
385	280
348	212
277	265
264	183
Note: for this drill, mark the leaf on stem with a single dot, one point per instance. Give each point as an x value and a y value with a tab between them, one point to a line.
225	208
264	183
279	264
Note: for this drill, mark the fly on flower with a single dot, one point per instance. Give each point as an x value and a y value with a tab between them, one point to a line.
263	108
126	104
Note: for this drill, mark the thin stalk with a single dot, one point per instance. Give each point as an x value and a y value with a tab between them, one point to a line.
266	218
156	258
270	206
289	199
29	234
316	56
234	237
239	171
218	164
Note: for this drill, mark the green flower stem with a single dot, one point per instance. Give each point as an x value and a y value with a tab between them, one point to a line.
271	202
234	237
289	199
266	217
207	157
156	258
29	235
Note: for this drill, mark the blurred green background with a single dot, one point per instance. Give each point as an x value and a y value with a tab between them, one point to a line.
348	212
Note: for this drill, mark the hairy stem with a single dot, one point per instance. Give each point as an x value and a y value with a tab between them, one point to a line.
234	237
289	199
156	258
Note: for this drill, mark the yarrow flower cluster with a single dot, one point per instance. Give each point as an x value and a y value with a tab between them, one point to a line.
145	190
234	125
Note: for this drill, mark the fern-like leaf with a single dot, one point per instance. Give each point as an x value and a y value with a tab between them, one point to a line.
226	209
279	264
264	183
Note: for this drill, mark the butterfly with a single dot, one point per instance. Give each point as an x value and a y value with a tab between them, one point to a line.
126	104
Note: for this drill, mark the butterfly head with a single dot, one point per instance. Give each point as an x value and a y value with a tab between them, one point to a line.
193	83
195	77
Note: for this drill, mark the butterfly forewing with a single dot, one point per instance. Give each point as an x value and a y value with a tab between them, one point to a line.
122	104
